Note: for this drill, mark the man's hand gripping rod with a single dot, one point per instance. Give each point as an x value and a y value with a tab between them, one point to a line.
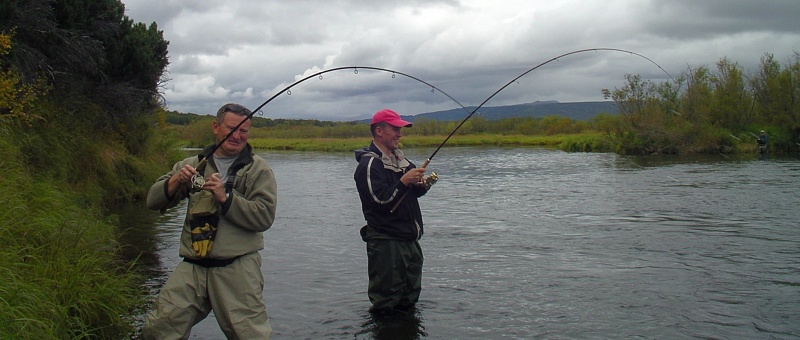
429	182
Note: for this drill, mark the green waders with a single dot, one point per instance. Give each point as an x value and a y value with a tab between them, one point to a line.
395	274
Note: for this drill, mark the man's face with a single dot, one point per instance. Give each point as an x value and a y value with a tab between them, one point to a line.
237	141
389	136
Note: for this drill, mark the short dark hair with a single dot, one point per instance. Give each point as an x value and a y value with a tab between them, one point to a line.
373	127
236	109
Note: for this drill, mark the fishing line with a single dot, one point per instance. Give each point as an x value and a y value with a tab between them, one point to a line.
515	81
355	69
531	70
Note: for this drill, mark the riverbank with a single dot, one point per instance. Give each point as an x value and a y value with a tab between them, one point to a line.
349	144
603	133
581	142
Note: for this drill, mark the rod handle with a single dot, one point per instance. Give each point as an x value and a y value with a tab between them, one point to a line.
202	163
398	203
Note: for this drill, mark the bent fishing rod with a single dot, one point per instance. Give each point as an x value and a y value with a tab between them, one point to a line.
525	73
435	151
198	181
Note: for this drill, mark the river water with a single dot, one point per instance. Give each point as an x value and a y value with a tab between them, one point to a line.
527	243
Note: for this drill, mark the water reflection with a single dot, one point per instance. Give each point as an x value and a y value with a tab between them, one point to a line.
149	238
395	326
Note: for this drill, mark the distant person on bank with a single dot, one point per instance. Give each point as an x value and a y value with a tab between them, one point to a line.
221	237
762	142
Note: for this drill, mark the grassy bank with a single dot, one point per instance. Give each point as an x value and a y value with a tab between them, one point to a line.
578	142
60	277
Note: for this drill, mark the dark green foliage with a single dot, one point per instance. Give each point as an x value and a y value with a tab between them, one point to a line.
140	58
50	42
89	48
177	118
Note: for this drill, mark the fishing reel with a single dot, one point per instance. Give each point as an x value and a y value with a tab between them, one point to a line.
197	183
431	180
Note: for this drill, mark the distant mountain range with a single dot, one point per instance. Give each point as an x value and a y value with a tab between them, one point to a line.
573	110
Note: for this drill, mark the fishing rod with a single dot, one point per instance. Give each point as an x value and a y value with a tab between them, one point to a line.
435	151
199	181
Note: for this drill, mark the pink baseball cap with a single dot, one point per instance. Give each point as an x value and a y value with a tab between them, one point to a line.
390	117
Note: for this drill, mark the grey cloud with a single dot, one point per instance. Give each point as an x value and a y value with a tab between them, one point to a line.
468	49
703	19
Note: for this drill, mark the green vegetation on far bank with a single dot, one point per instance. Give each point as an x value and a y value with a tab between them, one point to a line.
552	132
349	144
582	142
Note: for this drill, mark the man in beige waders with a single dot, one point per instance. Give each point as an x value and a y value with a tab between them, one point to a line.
232	199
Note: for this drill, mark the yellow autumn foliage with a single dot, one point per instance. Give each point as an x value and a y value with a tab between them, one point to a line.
16	97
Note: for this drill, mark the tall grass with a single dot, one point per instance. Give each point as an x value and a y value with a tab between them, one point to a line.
59	277
62	276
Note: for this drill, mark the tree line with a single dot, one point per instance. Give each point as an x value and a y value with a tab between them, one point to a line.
709	109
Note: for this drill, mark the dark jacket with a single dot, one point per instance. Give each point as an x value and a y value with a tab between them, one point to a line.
377	179
762	139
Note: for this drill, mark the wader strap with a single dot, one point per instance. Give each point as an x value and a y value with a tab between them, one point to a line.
229	182
211	263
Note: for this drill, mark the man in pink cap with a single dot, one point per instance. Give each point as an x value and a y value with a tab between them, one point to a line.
383	178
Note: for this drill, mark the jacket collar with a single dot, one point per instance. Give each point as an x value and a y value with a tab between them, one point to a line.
395	159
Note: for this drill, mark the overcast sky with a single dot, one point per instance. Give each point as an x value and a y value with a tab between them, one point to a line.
247	51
